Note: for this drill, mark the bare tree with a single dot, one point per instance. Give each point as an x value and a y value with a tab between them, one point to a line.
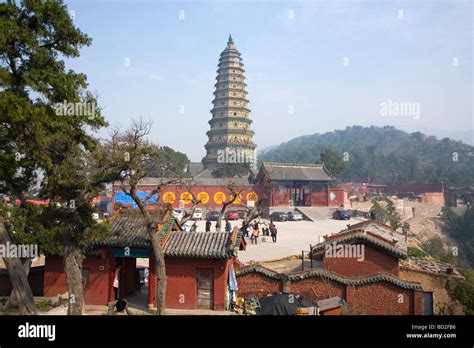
235	193
257	210
128	153
189	185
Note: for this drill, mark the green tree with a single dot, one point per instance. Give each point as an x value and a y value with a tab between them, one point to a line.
461	228
385	154
40	134
463	291
392	215
168	163
377	212
333	162
231	170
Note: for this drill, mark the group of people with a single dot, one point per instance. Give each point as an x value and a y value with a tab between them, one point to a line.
268	230
227	226
253	232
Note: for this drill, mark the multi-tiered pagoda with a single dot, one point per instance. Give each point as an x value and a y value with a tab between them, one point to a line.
230	136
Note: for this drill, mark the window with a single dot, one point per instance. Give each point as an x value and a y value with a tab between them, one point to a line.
235	114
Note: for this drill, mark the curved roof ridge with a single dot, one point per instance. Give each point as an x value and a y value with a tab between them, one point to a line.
376	277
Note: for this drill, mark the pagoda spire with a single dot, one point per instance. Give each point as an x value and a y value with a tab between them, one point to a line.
230	131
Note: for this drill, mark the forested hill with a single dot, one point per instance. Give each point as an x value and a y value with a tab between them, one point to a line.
386	155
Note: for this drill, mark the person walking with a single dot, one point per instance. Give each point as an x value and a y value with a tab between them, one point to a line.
208	225
255	233
116	282
228	226
244	230
273	231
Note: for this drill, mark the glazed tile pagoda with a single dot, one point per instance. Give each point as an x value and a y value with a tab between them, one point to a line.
230	136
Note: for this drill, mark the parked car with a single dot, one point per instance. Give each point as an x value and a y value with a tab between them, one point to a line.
213	215
341	214
295	216
232	215
197	215
279	216
178	214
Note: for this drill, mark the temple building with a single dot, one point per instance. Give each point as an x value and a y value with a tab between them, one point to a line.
230	135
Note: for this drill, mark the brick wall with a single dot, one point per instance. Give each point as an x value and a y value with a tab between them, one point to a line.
257	284
96	291
374	261
375	298
316	289
380	299
181	283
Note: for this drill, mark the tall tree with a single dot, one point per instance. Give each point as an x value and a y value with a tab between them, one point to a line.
334	162
128	153
41	105
72	185
167	163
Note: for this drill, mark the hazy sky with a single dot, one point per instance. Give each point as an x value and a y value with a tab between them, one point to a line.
311	66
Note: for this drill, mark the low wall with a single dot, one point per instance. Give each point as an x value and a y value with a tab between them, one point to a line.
378	294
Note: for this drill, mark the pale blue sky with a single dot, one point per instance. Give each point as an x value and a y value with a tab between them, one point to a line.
290	63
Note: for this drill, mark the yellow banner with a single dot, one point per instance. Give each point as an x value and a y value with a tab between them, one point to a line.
203	197
252	196
186	197
219	197
169	197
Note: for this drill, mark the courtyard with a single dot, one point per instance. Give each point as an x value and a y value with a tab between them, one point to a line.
292	238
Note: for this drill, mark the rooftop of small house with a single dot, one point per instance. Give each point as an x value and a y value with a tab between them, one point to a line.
371	231
130	231
296	172
430	266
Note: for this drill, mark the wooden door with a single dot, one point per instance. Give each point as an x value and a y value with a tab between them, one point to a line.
205	288
427	303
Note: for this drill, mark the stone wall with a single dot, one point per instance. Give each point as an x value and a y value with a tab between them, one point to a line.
442	302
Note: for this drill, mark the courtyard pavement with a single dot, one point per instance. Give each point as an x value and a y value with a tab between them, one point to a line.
293	236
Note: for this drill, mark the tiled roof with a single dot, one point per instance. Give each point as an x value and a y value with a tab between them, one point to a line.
199	245
430	266
319	273
361	236
372	231
297	172
130	231
195	181
194	168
